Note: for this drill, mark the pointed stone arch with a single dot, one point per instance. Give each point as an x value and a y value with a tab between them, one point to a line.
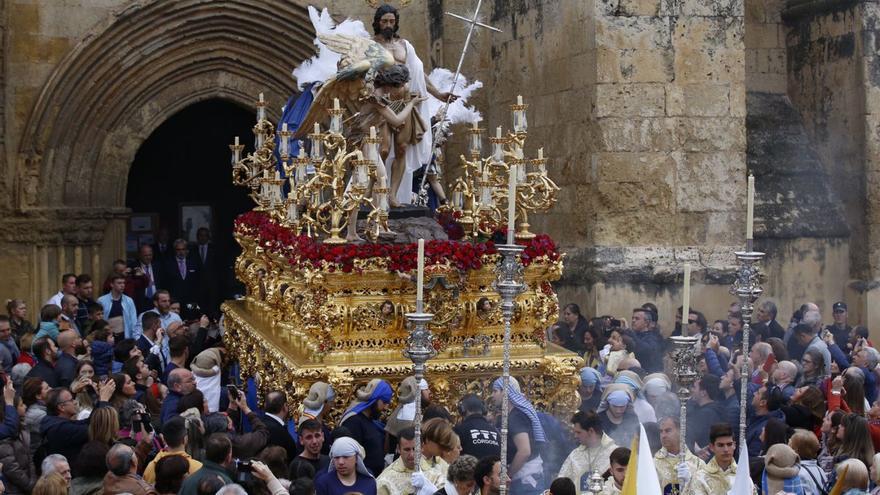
133	71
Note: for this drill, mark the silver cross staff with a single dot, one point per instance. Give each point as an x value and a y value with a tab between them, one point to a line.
467	41
441	127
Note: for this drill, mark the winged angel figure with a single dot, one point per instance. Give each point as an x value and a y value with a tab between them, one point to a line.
376	91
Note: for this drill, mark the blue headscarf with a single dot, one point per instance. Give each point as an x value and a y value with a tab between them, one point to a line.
589	376
367	396
522	403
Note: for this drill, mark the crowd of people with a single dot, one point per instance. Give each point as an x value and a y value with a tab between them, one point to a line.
812	422
109	395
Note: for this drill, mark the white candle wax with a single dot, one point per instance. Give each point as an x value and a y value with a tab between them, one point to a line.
302	151
511	203
519	100
236	140
498	132
372	132
317	128
686	300
750	208
476	125
261	98
420	278
335	103
540	153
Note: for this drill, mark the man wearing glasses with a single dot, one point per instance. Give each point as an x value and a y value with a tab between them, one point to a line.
62	432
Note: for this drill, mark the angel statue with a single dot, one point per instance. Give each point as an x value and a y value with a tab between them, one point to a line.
380	82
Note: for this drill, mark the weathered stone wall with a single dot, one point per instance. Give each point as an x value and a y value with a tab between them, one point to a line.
639	104
765	46
825	85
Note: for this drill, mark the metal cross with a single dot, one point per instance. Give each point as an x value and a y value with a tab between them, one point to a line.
467	41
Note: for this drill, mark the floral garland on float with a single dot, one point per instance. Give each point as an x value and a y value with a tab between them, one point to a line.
354	296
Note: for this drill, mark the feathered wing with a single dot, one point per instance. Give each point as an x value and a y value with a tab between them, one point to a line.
459	112
322	66
360	55
348	93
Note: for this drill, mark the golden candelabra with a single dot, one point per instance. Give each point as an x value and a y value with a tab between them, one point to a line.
477	192
325	188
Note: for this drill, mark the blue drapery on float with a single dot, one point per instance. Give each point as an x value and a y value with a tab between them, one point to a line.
294	112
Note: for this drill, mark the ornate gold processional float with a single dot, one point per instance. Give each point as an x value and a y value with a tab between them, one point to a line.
318	308
462	311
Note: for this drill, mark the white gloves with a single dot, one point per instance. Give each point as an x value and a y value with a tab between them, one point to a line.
684	474
421	484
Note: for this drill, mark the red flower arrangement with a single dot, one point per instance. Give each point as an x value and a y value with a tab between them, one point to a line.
303	251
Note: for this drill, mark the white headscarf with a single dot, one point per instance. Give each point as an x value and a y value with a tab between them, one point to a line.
345	447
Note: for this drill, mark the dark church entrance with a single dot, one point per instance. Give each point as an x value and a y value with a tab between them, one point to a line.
181	180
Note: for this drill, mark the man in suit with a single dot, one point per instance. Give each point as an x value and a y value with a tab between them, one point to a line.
182	275
210	265
146	278
276	412
163	249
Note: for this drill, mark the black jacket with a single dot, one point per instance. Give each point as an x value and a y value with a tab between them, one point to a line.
65	436
649	350
278	435
44	371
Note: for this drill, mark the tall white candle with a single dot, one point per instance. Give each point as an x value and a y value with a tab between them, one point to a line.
519	100
750	207
335	103
498	132
261	98
540	153
476	125
236	140
317	128
511	203
420	278
302	151
686	300
372	132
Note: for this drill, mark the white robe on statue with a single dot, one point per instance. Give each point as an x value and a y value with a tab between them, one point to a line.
418	155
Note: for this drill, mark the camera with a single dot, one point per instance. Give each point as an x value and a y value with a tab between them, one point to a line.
243	471
233	392
141	418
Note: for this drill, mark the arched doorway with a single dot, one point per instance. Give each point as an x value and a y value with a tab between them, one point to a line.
129	74
184	166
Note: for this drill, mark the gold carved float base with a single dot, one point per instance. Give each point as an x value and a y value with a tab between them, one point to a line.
281	361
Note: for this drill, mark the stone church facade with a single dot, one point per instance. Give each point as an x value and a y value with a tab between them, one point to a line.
651	112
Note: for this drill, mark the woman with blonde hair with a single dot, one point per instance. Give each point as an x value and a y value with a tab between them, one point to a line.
438	440
852	478
104	426
53	484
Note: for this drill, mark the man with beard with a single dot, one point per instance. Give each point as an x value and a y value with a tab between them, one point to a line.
386	22
85	289
359	418
487	474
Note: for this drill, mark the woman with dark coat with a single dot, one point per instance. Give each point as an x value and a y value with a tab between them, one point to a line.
571	315
19	472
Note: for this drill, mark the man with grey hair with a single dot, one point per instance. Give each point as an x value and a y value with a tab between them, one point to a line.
122	474
56	463
182	276
767	326
867	359
807	314
758	355
784	377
